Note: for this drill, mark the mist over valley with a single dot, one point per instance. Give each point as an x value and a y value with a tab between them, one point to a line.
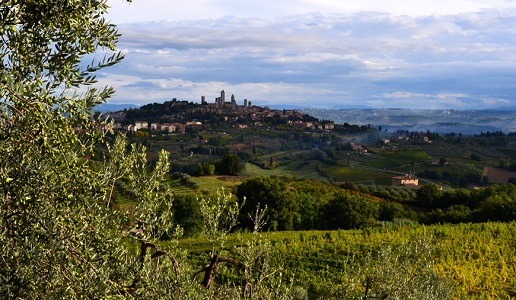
435	120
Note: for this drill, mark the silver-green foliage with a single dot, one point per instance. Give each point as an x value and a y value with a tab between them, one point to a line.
404	272
264	277
220	215
56	236
260	276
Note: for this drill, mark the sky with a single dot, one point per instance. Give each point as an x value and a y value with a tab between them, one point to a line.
317	53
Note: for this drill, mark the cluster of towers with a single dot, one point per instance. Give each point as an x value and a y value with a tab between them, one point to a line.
220	102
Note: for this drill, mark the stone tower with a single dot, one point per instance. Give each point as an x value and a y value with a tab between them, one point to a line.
233	102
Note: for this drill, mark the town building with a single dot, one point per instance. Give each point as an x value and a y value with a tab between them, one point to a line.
405	180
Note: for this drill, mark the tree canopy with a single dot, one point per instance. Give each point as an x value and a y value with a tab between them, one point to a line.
53	206
271	192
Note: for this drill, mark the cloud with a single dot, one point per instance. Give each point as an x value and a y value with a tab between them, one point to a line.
152	10
464	60
417	100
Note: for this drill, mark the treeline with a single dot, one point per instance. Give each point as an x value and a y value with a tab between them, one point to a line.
455	178
493	203
155	111
434	205
295	204
304	204
436	136
354	128
228	164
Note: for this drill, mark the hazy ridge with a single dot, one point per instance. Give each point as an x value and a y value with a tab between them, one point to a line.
435	120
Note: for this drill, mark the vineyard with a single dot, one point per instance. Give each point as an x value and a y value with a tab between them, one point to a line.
479	260
497	174
445	151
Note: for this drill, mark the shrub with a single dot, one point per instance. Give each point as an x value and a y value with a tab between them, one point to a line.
348	211
403	272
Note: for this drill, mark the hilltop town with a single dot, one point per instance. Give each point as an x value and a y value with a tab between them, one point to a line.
177	116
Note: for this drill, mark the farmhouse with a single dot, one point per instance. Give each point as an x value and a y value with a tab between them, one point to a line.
140	125
405	180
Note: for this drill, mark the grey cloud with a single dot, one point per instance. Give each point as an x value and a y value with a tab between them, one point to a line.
337	59
139	85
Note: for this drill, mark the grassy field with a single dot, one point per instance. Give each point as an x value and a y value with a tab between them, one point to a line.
479	259
358	175
396	160
210	184
179	188
295	168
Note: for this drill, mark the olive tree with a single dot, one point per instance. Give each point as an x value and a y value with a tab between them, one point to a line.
393	272
61	234
58	237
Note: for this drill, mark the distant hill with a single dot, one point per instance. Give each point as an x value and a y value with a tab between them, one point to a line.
288	106
107	107
435	120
